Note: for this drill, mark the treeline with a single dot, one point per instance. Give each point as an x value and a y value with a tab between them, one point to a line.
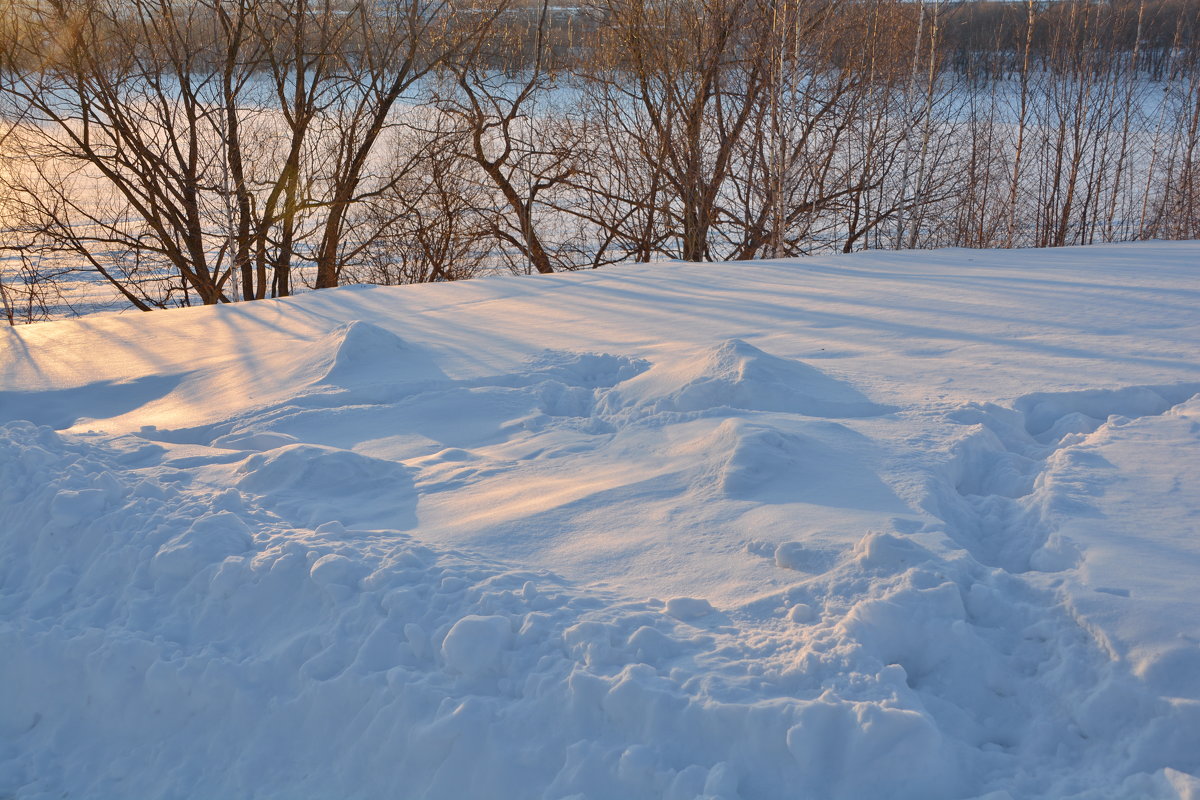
218	150
990	38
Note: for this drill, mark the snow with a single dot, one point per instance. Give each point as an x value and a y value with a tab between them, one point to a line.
905	525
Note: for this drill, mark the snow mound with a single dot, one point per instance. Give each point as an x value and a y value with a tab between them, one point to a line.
802	557
209	540
734	374
362	353
473	644
784	462
688	608
311	485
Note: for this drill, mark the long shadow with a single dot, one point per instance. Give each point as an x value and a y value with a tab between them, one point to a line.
62	408
747	309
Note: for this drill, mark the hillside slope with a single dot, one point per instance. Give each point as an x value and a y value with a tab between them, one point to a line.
906	525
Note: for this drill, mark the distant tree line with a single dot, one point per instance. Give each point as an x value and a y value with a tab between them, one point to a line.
210	151
988	39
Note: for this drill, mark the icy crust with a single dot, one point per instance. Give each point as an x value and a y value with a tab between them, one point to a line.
144	615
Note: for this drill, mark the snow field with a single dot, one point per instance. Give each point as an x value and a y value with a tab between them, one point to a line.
692	567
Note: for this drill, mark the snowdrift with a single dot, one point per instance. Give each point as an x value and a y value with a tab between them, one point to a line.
917	525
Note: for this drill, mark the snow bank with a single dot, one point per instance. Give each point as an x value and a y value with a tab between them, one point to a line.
932	535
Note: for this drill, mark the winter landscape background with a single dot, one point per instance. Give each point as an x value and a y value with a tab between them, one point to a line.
787	441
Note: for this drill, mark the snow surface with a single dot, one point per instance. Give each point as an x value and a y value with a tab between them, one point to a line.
904	525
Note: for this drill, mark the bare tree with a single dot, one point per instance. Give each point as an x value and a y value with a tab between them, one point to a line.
230	137
521	151
428	226
683	81
208	151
